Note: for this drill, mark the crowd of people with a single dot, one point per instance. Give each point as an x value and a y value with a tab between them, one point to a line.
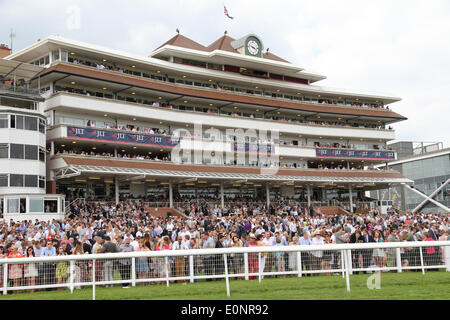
126	227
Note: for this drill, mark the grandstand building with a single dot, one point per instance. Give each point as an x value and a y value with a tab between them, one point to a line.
222	121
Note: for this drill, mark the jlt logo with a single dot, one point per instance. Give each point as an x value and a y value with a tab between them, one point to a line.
158	139
374	281
139	138
100	134
79	131
120	136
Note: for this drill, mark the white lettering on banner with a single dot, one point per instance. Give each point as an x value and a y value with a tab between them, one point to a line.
338	152
157	139
120	136
351	153
100	134
140	138
79	131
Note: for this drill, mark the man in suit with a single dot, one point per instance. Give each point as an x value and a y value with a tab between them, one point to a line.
366	253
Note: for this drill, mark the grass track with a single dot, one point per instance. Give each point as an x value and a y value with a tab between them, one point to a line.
403	286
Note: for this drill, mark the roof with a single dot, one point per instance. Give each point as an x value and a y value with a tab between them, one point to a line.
96	165
22	70
271	56
223	43
184	42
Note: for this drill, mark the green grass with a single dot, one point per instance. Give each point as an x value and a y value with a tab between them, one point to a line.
403	286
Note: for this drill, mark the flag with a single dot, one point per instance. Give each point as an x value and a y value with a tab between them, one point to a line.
225	11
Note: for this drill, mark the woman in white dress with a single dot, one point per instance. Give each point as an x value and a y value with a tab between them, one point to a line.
379	254
30	269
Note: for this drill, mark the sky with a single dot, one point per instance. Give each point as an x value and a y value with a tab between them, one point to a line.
399	48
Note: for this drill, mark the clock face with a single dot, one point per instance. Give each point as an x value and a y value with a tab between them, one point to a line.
253	47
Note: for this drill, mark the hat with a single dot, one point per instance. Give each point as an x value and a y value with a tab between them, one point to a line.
252	235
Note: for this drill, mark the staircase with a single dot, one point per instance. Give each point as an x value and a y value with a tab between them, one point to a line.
334	210
166	212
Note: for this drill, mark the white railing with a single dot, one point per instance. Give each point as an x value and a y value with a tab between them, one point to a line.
247	263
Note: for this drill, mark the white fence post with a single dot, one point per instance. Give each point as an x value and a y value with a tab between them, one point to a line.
421	261
399	259
299	264
133	272
191	268
167	270
348	266
5	279
71	275
93	279
227	280
343	263
259	267
246	265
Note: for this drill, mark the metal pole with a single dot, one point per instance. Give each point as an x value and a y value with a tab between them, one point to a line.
227	280
348	266
246	265
222	200
191	268
133	272
259	267
170	195
116	184
421	261
350	194
93	279
72	271
5	279
399	259
267	195
167	270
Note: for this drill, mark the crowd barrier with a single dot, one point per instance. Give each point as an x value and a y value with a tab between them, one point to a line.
166	266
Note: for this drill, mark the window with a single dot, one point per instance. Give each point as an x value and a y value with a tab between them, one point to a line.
16	180
23	205
51	206
13	121
31	152
3	180
55	55
4	150
41	182
19	122
3	121
31	181
13	205
36	205
64	55
42	154
41	125
31	123
16	151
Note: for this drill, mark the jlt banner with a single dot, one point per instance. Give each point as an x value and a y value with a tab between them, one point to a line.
124	137
340	153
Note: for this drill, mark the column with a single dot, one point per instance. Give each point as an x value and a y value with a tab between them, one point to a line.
350	192
324	195
52	148
170	195
116	181
115	152
267	195
108	189
222	200
308	189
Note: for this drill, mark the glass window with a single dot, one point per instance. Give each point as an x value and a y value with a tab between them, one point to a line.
4	149
19	122
31	181
41	125
16	151
3	121
16	180
23	205
51	206
55	55
3	180
36	204
31	152
13	205
42	154
41	182
12	121
1	206
31	123
64	55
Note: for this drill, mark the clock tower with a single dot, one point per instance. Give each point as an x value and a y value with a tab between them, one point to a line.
249	45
